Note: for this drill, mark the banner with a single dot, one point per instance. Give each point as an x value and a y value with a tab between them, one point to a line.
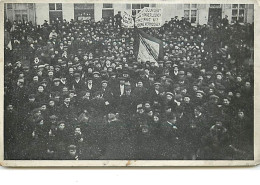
148	48
149	17
127	20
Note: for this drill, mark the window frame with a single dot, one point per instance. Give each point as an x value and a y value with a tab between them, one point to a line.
141	7
55	7
238	9
107	9
112	7
191	8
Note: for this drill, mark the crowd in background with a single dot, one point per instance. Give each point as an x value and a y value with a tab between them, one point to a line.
76	90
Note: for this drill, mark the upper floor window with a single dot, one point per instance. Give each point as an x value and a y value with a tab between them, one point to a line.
238	13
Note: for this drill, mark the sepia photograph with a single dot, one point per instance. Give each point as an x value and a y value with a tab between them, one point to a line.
129	80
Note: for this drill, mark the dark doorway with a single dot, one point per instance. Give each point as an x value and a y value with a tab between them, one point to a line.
54	15
215	15
83	11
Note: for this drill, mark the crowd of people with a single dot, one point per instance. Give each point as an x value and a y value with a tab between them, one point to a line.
76	90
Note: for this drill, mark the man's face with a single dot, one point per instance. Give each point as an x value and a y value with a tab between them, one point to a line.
219	77
104	85
147	105
72	152
35	78
71	94
57	83
67	100
186	99
226	102
43	107
169	97
128	92
241	114
238	95
239	79
111	116
140	84
155	118
77	131
199	95
248	85
40	89
31	99
61	126
10	108
50	74
51	103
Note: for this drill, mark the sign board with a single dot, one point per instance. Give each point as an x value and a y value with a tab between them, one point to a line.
127	20
84	18
149	17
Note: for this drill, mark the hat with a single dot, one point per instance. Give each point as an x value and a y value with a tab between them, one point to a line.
96	72
213	96
200	91
31	96
219	73
178	96
41	66
170	93
53	117
61	121
181	73
139	106
104	81
56	79
121	78
208	73
72	147
77	75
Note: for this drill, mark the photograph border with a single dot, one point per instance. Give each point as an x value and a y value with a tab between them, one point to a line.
73	163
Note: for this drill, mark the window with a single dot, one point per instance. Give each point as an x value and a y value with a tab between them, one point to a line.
20	11
58	6
107	11
238	13
84	11
190	12
9	6
55	12
84	6
30	5
55	6
215	5
139	7
107	5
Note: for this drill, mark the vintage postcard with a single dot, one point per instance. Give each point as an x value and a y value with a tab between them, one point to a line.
129	83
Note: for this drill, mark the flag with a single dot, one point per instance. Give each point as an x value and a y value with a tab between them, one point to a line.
148	48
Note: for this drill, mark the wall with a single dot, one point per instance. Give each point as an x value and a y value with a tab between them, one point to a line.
68	11
250	14
42	12
169	11
203	14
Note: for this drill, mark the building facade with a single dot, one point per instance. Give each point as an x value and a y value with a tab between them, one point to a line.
195	13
